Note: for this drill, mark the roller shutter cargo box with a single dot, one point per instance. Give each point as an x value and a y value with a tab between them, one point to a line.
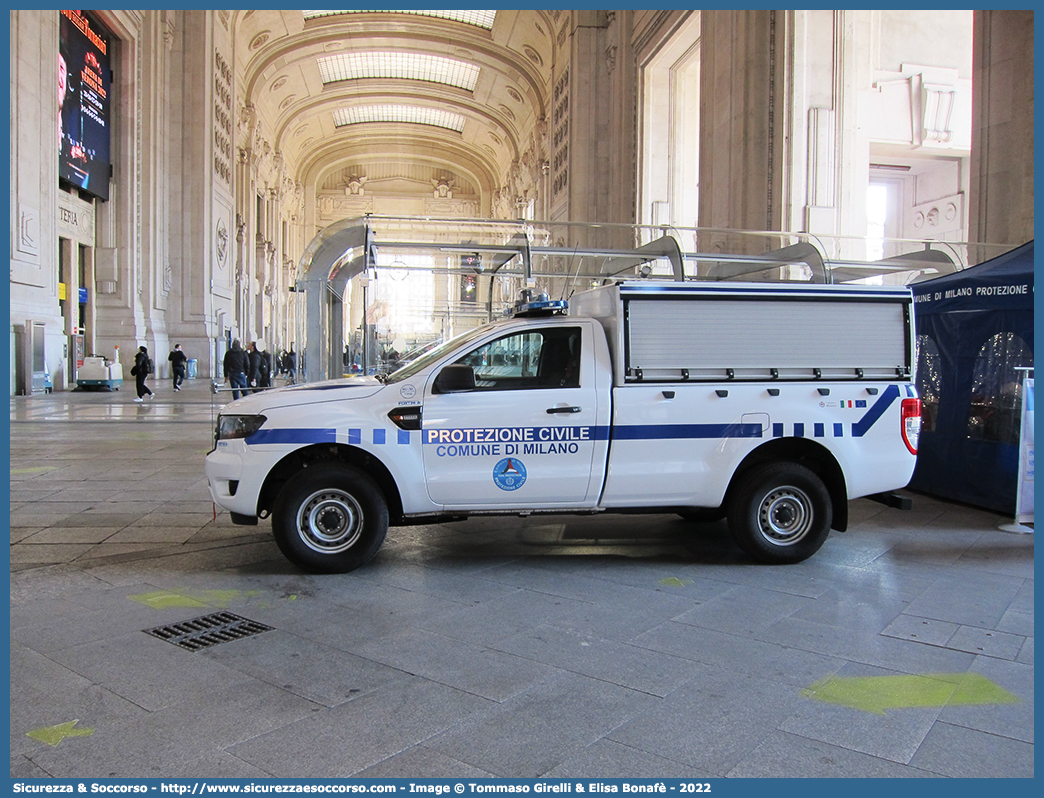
714	332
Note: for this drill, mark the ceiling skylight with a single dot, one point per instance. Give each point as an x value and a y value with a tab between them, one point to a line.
391	64
412	114
483	19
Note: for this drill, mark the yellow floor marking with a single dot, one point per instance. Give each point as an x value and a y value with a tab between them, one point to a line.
34	470
878	693
52	735
673	581
161	599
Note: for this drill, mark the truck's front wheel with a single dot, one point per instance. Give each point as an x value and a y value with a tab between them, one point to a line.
780	513
330	519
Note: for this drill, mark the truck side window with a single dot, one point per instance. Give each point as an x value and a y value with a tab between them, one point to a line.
542	358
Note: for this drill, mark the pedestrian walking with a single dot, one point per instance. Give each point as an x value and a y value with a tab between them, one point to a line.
290	365
264	366
178	364
235	366
253	365
141	369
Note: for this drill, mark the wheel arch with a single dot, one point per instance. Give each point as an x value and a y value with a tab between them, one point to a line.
320	453
813	456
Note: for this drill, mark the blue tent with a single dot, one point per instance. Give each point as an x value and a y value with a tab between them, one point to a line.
974	332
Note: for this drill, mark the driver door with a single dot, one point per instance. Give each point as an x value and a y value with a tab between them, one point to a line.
525	433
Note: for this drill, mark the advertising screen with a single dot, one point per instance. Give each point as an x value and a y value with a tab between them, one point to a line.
83	104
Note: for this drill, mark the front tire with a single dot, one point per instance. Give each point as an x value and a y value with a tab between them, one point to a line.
330	519
780	513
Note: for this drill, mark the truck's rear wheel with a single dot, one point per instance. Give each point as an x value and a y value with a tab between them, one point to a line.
780	513
330	519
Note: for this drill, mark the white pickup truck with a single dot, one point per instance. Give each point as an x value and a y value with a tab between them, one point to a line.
771	404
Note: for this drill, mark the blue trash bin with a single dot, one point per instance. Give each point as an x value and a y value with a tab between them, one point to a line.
192	368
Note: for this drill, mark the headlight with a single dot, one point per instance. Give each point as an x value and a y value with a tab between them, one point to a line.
229	427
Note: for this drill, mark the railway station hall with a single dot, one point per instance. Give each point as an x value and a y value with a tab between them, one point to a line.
521	395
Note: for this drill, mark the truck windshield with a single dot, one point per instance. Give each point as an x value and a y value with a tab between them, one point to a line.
431	356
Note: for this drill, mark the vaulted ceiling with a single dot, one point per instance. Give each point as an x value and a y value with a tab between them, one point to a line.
466	93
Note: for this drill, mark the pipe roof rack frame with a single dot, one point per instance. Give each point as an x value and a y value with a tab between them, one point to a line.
558	257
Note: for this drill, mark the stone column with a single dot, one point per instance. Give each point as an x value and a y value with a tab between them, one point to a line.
156	282
741	115
598	94
1002	128
204	241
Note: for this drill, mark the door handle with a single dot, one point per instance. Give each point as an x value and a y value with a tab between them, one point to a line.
553	410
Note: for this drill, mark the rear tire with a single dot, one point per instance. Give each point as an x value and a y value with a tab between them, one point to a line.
330	519
780	513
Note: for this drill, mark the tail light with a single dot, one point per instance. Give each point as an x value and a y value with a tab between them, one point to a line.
911	421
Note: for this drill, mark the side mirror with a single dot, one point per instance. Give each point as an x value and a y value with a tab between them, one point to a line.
454	378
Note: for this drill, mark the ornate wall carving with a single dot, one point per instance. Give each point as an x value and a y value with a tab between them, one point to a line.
28	231
221	242
937	105
937	218
451	207
560	137
332	207
222	119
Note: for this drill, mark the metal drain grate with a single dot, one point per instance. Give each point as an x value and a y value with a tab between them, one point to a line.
208	630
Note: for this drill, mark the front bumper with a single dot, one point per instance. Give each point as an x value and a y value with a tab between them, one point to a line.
234	486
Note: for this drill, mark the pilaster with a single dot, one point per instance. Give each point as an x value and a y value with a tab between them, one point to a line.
741	120
1002	128
593	125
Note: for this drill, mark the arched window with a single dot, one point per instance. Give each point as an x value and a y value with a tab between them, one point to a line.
929	381
996	400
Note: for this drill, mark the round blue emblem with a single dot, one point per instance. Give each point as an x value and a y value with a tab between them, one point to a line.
407	391
509	474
